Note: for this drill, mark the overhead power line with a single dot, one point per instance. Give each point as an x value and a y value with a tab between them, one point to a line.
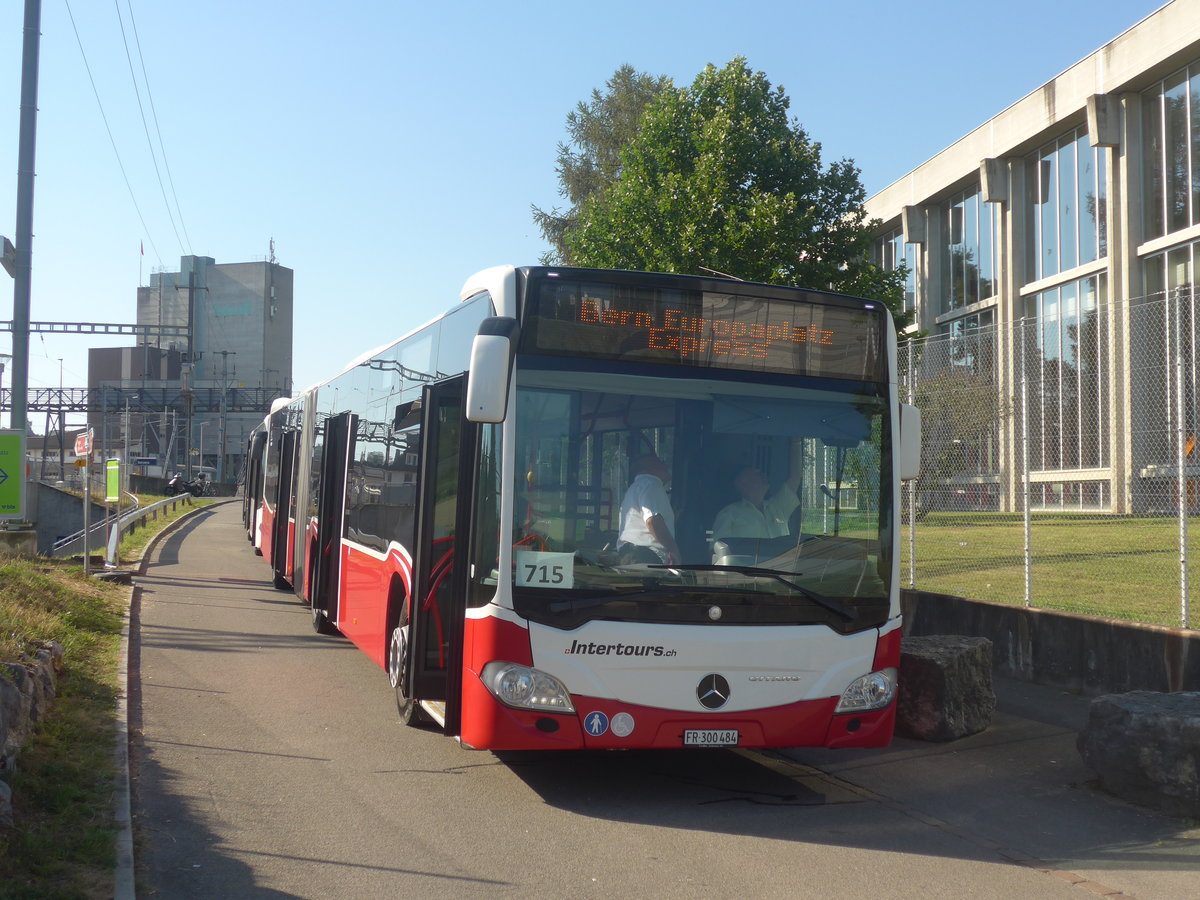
111	139
157	130
146	126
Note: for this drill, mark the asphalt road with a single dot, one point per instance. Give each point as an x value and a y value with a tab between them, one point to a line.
268	762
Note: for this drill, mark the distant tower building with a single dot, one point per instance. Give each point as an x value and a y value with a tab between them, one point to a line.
239	316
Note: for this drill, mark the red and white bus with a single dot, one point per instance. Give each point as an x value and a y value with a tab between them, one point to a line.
453	504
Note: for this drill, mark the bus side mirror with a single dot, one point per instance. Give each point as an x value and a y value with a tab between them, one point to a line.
492	354
909	458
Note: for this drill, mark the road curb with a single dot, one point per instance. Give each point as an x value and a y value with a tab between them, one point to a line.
124	877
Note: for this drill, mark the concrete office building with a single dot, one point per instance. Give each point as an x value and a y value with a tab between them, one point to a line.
239	317
1062	237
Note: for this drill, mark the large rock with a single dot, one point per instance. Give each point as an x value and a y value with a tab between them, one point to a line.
27	690
1145	746
945	687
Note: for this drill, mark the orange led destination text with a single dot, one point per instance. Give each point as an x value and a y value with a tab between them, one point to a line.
698	336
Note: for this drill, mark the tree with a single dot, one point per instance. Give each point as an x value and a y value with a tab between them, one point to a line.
591	160
718	177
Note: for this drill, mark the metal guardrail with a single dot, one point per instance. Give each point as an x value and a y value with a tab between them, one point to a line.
126	524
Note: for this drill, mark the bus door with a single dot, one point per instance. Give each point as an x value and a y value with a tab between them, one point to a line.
447	473
283	510
253	486
337	449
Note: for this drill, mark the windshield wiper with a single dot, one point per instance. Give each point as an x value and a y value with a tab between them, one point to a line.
779	575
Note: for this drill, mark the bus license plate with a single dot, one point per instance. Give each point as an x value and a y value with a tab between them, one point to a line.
723	737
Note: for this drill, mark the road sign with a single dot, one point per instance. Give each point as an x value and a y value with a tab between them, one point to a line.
145	460
83	443
8	258
112	480
12	474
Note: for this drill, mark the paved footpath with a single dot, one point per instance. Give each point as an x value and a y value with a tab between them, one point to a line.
267	762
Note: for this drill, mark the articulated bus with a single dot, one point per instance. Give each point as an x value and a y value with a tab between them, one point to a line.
472	507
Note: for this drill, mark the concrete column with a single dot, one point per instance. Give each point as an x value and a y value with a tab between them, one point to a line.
1008	313
934	276
1124	216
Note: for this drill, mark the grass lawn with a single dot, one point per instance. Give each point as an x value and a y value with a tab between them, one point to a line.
1121	567
64	840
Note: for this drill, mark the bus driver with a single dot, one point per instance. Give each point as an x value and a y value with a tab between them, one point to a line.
757	515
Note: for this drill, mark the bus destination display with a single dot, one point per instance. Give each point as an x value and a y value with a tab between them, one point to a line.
695	328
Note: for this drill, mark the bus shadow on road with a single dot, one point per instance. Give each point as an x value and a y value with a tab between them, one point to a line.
778	795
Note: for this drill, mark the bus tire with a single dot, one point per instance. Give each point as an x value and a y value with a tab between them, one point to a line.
408	709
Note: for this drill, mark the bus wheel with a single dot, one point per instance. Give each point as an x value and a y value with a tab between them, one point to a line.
409	709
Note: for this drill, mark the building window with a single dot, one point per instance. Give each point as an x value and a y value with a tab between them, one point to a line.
1065	375
972	341
1166	378
1068	201
970	346
1081	496
970	258
890	253
1171	136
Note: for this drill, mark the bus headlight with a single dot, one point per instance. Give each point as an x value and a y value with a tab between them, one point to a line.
870	692
524	688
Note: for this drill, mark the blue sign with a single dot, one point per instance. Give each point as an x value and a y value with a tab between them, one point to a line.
595	723
145	460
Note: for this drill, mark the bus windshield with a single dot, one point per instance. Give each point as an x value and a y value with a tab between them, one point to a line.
768	487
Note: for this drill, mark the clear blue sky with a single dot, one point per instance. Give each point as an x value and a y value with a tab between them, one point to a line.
391	148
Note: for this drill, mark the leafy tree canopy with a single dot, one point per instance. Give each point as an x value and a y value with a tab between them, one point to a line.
718	176
598	131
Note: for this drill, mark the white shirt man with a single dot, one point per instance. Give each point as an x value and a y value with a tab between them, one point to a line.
647	519
756	515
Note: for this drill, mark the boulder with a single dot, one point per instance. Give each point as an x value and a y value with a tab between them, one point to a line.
1145	746
6	810
945	688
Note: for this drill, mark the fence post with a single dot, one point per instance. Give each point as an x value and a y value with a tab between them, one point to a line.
1025	514
1181	460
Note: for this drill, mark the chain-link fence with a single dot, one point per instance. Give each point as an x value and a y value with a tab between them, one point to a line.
1060	466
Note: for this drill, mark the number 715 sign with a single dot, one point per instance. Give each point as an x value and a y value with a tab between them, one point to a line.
544	570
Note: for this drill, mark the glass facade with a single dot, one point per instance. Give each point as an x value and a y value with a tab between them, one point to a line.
1067	205
890	253
1065	371
973	341
1171	136
969	262
1166	326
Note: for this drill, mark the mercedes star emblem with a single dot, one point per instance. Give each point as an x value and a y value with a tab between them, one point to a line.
713	691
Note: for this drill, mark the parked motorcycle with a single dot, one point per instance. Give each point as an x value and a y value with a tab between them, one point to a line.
201	487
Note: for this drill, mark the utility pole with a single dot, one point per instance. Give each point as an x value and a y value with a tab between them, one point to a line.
189	368
221	441
62	427
23	255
